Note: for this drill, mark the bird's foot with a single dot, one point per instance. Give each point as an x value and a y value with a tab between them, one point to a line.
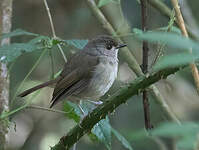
82	116
95	103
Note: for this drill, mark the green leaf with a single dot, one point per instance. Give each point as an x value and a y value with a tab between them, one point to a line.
17	32
170	39
187	132
10	52
137	31
175	60
73	111
176	41
138	1
122	139
80	44
8	113
103	2
173	29
102	130
39	39
172	129
187	142
57	74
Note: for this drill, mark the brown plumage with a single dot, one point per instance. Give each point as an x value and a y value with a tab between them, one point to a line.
88	74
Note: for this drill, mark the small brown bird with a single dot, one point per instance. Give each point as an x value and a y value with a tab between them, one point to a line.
88	74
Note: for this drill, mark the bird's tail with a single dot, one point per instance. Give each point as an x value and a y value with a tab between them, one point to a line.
26	92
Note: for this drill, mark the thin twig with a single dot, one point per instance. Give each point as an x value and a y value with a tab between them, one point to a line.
185	33
26	77
166	11
145	50
161	46
165	107
28	105
53	29
7	114
62	52
52	64
50	18
46	109
146	106
189	17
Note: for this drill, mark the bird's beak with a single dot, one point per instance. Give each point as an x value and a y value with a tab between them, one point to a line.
120	46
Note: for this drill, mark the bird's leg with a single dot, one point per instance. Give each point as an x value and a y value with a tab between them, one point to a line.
81	109
74	146
95	103
83	112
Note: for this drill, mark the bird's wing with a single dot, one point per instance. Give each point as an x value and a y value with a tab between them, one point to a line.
74	76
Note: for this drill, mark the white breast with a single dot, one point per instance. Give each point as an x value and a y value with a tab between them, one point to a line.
103	78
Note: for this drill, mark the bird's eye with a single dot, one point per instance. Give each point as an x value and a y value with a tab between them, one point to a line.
109	46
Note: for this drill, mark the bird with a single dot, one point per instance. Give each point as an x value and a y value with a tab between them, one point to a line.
88	74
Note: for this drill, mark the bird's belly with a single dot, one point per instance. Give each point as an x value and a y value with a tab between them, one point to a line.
103	78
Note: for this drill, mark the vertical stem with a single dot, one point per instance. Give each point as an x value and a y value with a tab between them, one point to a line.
5	27
145	65
52	64
53	29
145	57
183	29
50	18
145	44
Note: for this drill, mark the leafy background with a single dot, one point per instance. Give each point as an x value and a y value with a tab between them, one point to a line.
36	129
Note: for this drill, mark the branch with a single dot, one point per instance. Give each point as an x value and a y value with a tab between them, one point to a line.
145	51
5	27
130	59
109	106
183	29
166	11
46	109
189	17
53	29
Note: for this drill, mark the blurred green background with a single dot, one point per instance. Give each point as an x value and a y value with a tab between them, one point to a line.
38	130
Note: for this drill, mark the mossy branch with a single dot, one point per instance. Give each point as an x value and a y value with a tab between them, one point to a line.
109	106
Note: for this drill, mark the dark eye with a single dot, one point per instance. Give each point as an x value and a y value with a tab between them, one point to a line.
109	46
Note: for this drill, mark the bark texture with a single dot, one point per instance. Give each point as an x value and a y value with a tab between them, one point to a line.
5	27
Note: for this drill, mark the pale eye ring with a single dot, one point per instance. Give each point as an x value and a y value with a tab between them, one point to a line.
109	46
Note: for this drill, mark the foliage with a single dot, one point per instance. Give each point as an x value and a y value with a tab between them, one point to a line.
185	133
188	48
171	39
101	131
121	139
9	53
17	32
105	2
